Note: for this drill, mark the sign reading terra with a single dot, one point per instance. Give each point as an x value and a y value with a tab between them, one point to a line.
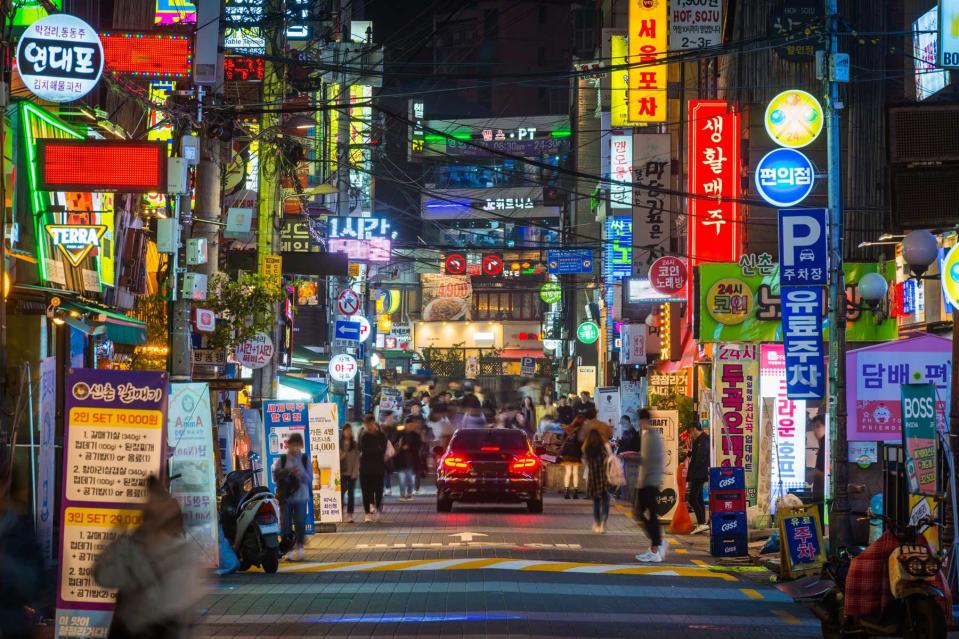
76	241
60	58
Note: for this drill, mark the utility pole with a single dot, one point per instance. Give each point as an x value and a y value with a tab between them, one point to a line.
208	204
181	347
839	530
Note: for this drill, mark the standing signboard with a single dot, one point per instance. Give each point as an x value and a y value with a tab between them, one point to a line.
282	419
919	438
325	451
190	442
633	395
472	367
585	379
634	342
695	24
801	547
113	440
735	388
667	423
607	405
651	210
47	473
787	423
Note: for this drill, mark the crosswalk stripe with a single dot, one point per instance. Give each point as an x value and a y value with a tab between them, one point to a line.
473	564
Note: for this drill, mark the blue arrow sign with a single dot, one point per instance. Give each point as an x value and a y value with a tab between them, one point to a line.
347	330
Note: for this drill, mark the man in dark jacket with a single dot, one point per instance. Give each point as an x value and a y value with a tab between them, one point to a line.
564	412
698	474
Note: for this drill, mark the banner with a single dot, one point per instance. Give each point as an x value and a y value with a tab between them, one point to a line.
113	440
633	343
281	419
667	423
739	304
787	422
919	439
47	472
875	375
608	406
802	309
190	443
632	397
621	171
325	451
647	42
619	82
735	384
651	164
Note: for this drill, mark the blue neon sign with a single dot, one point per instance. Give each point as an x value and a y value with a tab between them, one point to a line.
784	177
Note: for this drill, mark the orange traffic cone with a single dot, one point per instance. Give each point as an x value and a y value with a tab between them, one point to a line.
681	523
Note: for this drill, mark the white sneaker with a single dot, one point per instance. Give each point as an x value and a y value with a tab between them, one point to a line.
656	558
299	553
701	528
662	550
367	519
596	528
389	492
646	557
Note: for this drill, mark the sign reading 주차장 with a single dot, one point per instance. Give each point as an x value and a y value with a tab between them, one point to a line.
60	58
114	425
802	247
919	437
784	177
325	452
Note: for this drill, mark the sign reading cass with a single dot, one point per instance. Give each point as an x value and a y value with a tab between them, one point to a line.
60	58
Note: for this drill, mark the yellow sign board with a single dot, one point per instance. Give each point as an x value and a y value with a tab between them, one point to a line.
354	269
648	41
794	119
619	82
271	266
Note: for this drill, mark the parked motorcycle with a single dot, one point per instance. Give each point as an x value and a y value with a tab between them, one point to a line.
251	518
914	609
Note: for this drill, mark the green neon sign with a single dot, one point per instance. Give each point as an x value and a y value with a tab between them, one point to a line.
551	292
587	332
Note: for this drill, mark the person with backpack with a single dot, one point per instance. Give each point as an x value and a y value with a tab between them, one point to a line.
293	477
374	450
597	483
572	454
407	460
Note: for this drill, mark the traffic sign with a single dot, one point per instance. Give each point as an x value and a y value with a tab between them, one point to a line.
342	367
492	265
347	330
527	367
348	302
569	261
668	275
802	247
455	264
365	328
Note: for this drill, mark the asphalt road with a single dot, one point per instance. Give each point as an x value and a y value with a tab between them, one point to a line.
501	572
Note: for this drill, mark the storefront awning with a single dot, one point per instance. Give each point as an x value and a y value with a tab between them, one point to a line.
520	353
312	387
120	328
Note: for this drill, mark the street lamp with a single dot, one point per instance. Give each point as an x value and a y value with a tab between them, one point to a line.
872	289
920	249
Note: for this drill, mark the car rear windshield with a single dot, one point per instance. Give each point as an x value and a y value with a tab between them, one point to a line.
503	439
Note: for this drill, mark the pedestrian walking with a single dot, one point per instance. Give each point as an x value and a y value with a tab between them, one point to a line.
698	474
528	410
293	477
156	572
374	447
22	574
629	439
387	424
349	469
572	454
406	462
652	464
596	452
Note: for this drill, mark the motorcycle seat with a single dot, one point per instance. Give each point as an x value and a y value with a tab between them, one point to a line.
253	493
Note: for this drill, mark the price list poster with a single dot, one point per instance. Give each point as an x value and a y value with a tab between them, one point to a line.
114	439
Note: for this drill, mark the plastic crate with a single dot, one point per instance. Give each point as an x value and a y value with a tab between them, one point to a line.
725	525
729	546
727	501
727	478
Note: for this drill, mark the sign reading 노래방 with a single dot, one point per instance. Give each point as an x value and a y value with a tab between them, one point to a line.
281	419
113	440
192	463
736	389
919	438
325	452
802	247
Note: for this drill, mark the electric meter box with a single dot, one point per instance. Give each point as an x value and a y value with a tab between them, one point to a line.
178	178
194	286
196	251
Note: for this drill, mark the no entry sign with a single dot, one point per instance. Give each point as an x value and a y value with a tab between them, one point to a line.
492	265
455	264
348	301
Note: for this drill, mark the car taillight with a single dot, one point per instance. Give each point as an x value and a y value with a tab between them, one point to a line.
489	449
455	463
524	465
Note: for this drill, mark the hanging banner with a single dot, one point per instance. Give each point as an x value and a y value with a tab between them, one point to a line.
325	451
647	41
919	438
876	373
802	340
787	421
190	443
633	395
47	472
113	440
735	388
281	420
651	165
634	339
621	171
737	304
667	423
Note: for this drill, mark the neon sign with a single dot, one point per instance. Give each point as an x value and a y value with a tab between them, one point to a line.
76	241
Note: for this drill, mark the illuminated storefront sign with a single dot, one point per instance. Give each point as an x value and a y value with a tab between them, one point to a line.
146	55
361	159
648	40
735	425
925	53
60	58
246	38
508	203
174	12
794	119
29	11
948	34
619	82
621	171
714	167
358	228
239	68
587	332
784	177
102	165
76	241
651	210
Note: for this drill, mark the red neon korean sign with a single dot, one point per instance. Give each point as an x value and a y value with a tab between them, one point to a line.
147	55
102	165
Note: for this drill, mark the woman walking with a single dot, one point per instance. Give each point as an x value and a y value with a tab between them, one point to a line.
373	446
597	483
528	411
572	454
349	468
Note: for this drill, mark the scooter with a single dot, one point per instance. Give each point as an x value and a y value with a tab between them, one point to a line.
251	519
914	611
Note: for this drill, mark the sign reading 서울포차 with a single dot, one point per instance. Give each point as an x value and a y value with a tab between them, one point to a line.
60	58
113	440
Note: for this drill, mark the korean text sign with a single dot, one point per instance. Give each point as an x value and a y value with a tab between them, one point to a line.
802	247
648	41
325	451
736	387
651	219
714	182
876	374
802	340
788	421
919	437
621	171
802	544
282	419
113	440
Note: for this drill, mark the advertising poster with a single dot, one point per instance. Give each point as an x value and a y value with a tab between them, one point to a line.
190	445
325	452
667	423
736	388
876	373
919	438
607	405
747	307
787	422
446	297
47	472
632	397
281	419
113	440
248	438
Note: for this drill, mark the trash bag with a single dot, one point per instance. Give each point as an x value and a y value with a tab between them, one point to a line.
771	545
228	559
